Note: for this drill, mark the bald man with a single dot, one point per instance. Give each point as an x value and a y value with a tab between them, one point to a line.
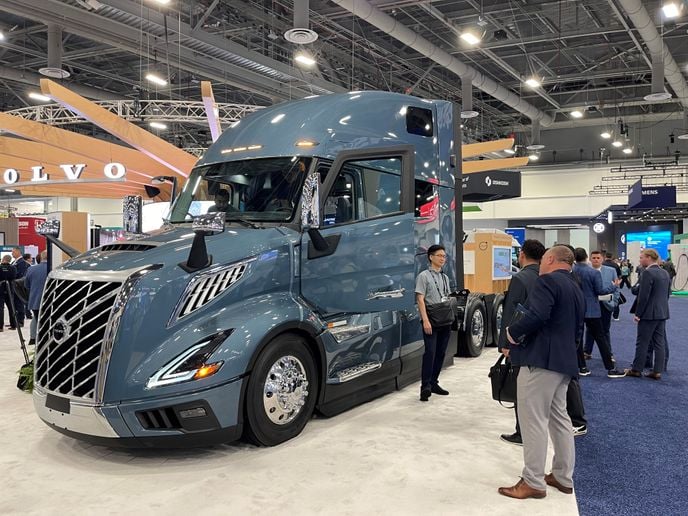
543	343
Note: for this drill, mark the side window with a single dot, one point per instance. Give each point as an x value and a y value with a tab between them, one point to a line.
364	189
426	200
419	121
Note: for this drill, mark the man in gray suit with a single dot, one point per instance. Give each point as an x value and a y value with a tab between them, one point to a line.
651	313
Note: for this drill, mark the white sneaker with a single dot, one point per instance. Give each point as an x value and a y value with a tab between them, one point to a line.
580	430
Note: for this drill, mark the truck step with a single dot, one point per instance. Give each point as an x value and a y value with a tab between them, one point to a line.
351	373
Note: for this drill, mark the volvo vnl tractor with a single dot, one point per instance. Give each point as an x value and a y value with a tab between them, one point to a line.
281	284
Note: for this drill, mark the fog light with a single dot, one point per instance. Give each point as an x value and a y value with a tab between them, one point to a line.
191	413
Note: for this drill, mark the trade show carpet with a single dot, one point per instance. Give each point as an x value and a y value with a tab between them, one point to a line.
634	458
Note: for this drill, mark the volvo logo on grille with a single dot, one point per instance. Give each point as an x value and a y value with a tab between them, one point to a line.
60	330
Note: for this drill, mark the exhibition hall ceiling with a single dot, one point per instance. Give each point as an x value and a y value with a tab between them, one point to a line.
589	56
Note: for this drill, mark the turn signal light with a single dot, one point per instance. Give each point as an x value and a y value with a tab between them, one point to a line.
207	370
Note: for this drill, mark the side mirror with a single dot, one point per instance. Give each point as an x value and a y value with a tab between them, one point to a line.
209	224
203	225
49	228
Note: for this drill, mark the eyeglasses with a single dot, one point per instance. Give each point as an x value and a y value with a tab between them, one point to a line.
440	255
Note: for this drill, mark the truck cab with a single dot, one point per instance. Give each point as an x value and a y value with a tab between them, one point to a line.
304	299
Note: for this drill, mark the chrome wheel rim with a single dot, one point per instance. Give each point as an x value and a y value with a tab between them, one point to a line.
286	390
477	328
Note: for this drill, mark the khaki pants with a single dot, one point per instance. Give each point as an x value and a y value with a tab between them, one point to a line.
542	407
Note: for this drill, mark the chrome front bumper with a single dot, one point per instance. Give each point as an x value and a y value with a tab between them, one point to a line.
82	418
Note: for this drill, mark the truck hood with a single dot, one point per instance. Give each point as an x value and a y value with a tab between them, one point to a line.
170	246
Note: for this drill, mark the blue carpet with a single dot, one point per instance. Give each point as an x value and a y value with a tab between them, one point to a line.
635	456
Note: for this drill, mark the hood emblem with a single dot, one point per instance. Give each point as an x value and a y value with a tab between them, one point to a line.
60	331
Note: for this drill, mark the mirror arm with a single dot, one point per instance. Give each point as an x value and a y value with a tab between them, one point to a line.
318	240
68	250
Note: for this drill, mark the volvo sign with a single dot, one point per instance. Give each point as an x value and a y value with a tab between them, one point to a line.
70	174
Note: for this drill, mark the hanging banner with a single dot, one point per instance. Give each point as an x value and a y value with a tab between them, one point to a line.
641	197
491	186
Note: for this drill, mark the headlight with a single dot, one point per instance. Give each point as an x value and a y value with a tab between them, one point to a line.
192	364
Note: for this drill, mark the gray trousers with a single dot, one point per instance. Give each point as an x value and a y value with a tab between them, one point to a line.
542	407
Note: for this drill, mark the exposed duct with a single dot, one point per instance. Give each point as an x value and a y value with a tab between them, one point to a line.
647	30
26	77
657	93
301	34
467	110
389	25
54	68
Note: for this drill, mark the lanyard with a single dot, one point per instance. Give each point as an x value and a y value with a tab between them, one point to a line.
438	287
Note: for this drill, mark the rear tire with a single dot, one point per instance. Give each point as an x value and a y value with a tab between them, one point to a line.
472	339
282	391
496	319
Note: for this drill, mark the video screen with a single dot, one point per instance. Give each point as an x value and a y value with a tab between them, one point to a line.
657	240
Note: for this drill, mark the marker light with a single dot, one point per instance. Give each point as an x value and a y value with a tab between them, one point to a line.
306	143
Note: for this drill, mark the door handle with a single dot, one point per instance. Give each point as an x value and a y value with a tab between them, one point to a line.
386	294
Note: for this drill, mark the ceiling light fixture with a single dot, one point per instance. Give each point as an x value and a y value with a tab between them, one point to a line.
156	79
303	58
617	143
163	2
533	156
576	113
606	135
38	96
2	36
672	9
157	125
533	82
628	150
510	151
471	37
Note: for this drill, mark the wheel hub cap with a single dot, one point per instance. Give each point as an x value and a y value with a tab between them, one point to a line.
477	328
286	390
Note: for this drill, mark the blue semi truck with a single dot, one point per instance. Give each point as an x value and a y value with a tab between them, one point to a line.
282	283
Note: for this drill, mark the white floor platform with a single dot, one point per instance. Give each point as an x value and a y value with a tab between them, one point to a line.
394	455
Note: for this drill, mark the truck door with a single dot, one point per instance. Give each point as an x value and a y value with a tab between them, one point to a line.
367	219
365	276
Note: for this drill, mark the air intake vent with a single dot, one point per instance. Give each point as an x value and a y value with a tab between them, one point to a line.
206	287
127	247
158	419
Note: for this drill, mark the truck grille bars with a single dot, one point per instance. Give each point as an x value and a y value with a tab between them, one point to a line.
73	321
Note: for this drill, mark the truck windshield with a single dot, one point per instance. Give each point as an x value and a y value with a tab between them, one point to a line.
259	190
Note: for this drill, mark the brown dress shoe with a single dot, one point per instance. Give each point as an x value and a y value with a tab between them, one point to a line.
521	491
633	372
654	376
552	481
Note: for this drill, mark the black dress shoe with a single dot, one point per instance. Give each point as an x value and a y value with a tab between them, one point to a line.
436	389
512	439
425	394
12	328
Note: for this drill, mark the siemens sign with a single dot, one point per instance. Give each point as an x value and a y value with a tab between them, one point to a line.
651	196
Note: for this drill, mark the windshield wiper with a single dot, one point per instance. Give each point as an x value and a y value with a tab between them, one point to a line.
243	222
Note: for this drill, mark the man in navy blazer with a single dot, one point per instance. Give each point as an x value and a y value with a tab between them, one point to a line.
591	283
651	314
543	343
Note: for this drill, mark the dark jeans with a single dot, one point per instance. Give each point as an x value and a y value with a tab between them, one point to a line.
606	326
433	358
625	280
596	329
652	335
574	406
5	300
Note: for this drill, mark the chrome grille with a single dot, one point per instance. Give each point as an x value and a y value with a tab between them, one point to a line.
206	287
73	320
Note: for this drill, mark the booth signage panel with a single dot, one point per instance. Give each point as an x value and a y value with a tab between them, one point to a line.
518	234
652	196
491	185
28	235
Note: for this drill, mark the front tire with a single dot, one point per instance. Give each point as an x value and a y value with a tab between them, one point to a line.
281	392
